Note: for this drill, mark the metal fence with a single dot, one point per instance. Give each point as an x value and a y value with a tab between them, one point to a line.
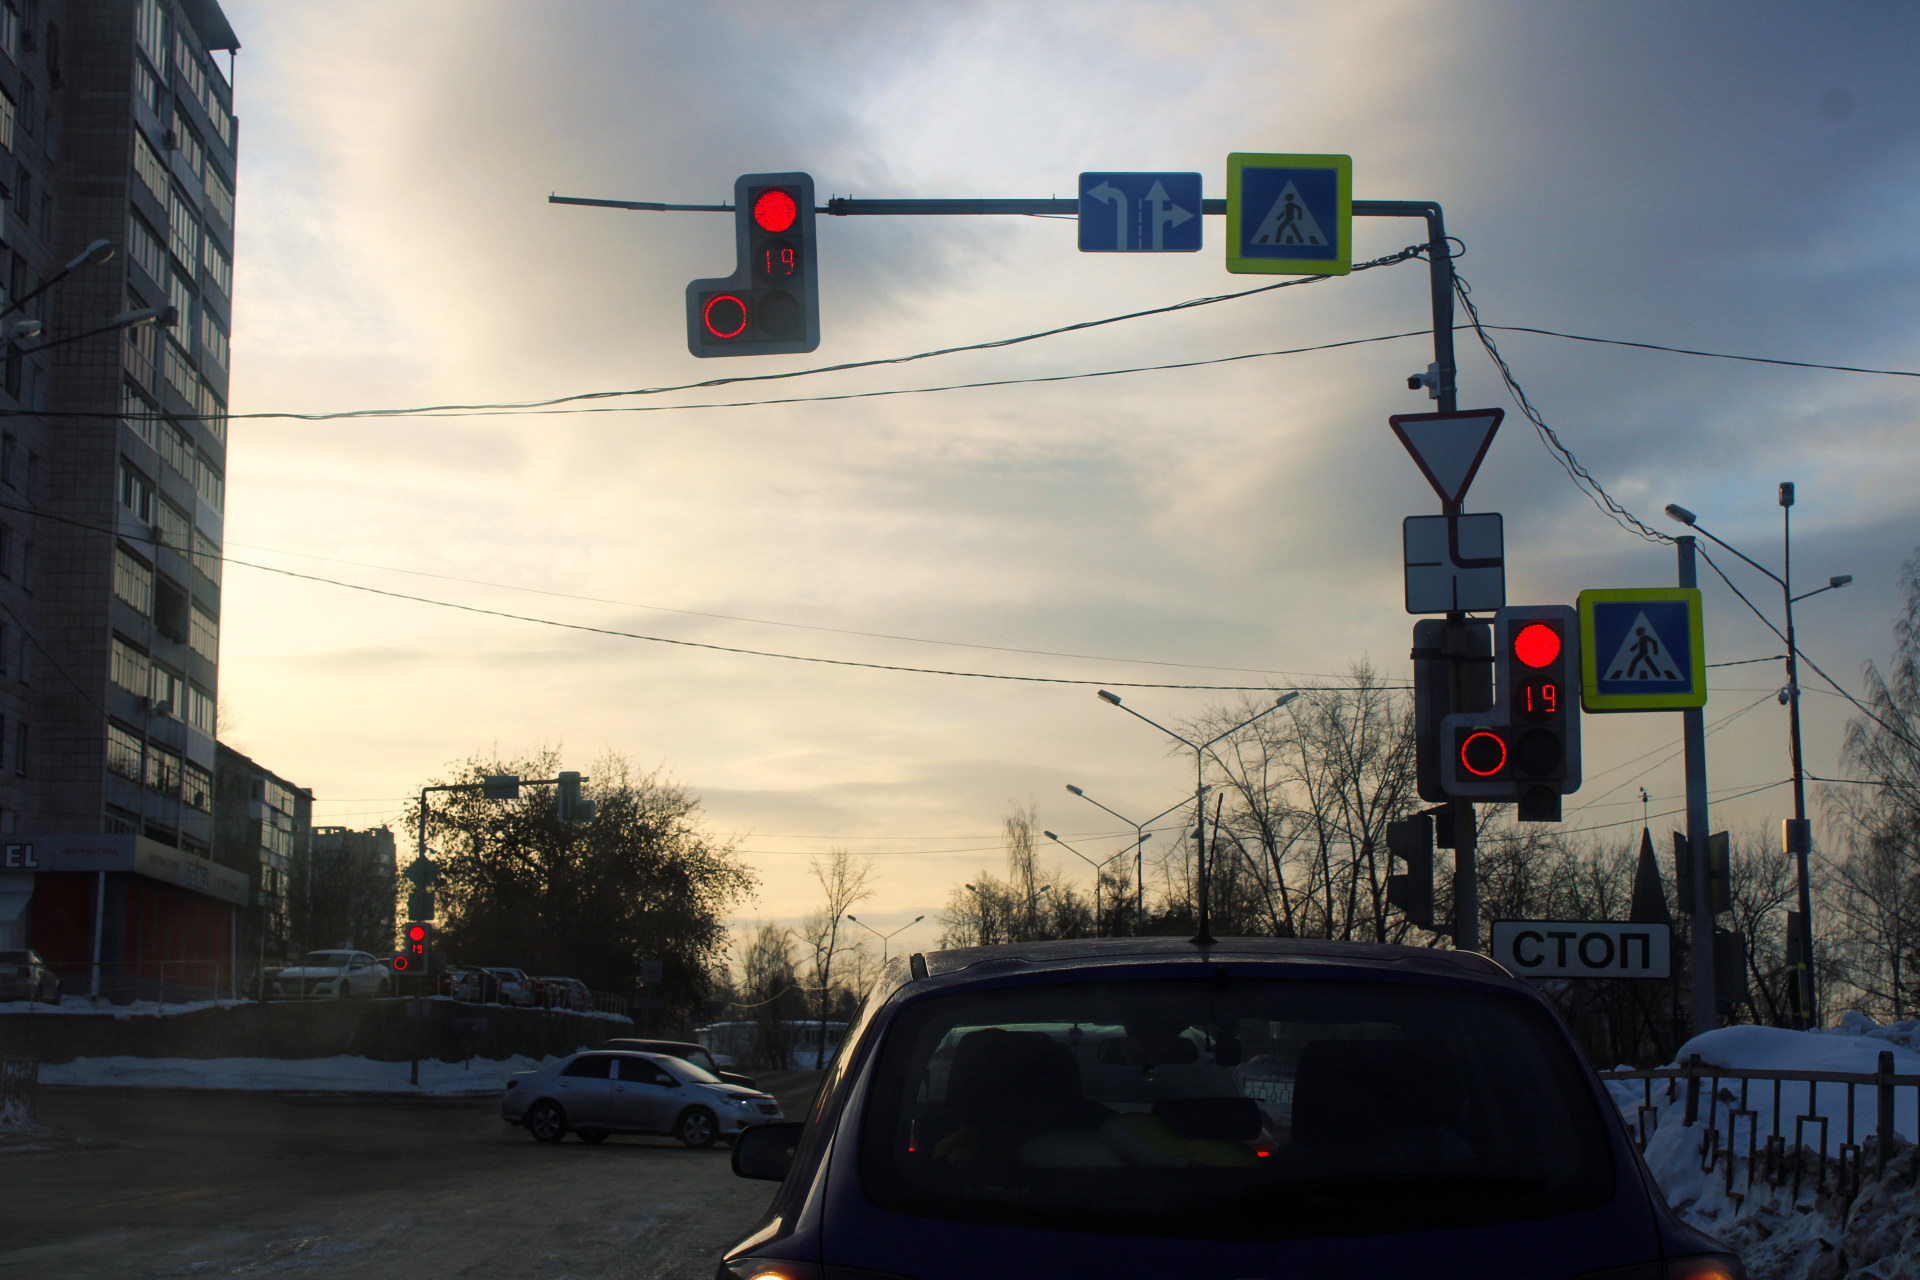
158	981
1773	1157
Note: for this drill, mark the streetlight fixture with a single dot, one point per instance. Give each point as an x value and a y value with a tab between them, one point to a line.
1800	834
92	256
1204	935
1097	868
887	937
1140	836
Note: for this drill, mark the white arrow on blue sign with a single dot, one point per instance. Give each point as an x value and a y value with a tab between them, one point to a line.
1140	213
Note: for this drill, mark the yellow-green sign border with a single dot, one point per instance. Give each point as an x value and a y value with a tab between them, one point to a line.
1343	188
1595	702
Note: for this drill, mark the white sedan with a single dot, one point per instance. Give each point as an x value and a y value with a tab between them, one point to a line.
621	1091
333	974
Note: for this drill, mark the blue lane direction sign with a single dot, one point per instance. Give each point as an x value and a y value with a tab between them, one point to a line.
1642	649
1289	214
1455	563
1140	213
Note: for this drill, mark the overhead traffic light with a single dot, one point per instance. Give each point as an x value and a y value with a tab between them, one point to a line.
1526	748
770	305
571	807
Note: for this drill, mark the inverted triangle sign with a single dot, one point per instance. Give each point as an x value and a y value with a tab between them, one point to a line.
1448	447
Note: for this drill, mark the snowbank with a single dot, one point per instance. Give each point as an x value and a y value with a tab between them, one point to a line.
138	1008
1812	1232
340	1074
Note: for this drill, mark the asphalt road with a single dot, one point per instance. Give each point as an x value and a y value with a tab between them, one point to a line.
152	1183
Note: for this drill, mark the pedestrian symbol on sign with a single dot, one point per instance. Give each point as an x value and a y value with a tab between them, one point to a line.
1289	222
1642	656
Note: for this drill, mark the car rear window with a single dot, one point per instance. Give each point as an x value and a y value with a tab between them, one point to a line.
1254	1109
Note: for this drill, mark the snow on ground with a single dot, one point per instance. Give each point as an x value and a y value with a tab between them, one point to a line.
150	1009
341	1074
1781	1234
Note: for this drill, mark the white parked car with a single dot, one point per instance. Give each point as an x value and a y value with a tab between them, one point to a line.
595	1094
516	988
333	975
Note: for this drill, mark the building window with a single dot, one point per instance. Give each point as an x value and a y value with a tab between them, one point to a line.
146	86
129	668
163	770
200	709
6	646
23	195
20	747
144	247
183	231
136	493
123	753
30	481
206	635
133	580
199	788
213	489
219	266
147	163
206	554
149	30
188	143
213	337
176	529
9	459
6	552
166	694
219	194
7	114
137	413
10	30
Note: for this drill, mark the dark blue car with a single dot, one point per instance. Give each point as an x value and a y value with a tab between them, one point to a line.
1254	1109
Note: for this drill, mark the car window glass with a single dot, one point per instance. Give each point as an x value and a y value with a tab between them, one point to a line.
689	1071
593	1067
1262	1110
643	1072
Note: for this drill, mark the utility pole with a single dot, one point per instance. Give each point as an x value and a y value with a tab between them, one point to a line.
1799	840
1706	1012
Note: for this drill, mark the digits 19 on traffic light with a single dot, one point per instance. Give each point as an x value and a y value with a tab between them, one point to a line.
1527	747
770	305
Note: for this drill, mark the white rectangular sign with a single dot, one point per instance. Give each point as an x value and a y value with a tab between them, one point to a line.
1455	564
1583	948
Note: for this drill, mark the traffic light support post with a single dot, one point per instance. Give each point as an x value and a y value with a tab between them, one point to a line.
1693	733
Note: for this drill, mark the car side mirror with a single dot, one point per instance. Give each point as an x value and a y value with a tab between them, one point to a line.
766	1150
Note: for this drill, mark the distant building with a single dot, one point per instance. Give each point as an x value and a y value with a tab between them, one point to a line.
344	891
262	825
116	125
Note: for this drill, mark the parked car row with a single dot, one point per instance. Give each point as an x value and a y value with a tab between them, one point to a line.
497	984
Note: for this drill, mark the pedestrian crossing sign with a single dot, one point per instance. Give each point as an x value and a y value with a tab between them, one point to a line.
1641	649
1289	215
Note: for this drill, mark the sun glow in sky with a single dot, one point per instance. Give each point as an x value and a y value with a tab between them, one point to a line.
1716	176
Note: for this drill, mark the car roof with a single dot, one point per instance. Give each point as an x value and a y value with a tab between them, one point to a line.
1362	958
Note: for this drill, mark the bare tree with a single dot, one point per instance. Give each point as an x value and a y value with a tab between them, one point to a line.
844	884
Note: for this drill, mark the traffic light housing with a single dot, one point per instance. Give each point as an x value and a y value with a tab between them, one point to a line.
571	807
1446	655
770	305
1526	748
416	944
1411	841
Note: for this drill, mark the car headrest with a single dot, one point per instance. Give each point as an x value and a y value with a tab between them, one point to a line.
997	1067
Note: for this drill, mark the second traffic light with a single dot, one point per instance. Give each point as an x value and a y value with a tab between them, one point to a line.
416	944
770	305
1527	747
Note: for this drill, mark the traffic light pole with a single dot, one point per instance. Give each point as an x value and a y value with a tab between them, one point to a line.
1706	1009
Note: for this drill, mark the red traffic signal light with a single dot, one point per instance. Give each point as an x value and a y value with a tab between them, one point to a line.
416	942
770	305
1536	644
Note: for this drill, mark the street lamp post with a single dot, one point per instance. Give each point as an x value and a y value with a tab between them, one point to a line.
1098	867
885	937
1799	832
1204	935
1140	836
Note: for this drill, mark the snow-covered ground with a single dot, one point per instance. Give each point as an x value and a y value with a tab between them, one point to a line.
340	1074
150	1009
1816	1234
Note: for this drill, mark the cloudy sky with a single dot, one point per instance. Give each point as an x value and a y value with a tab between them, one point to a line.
1732	177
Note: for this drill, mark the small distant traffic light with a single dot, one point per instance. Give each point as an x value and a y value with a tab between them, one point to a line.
571	807
416	943
1411	841
1526	748
770	305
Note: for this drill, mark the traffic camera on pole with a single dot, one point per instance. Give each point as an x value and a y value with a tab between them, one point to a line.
770	305
1526	748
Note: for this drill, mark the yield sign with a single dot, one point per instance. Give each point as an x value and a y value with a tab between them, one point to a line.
1448	447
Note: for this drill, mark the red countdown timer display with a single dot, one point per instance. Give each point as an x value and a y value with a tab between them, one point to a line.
1537	645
